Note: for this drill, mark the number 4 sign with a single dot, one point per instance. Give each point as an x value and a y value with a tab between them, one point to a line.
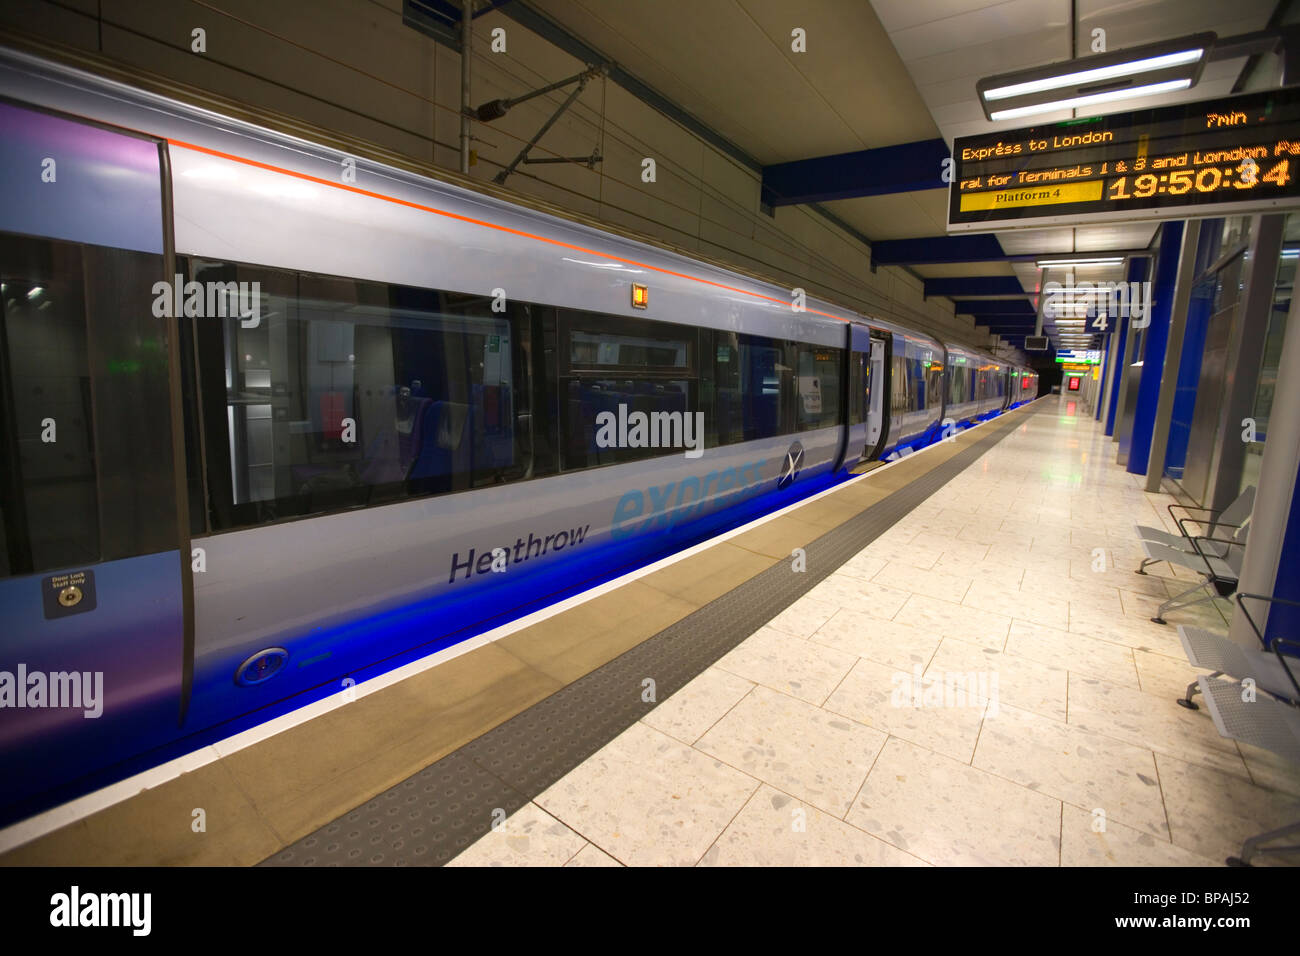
1100	324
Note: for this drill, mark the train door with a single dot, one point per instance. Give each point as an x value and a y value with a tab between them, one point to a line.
92	579
859	390
876	397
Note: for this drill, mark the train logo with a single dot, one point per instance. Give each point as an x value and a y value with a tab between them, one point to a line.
791	466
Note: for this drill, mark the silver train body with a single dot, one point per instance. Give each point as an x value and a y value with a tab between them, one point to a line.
286	572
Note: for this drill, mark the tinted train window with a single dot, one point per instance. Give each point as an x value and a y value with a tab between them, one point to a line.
752	377
323	393
818	383
900	398
858	377
85	439
933	384
628	390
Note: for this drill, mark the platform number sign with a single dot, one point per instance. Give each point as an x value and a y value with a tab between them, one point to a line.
1101	323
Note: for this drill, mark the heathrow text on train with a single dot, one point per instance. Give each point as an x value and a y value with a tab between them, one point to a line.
75	908
653	430
498	559
60	689
666	509
209	300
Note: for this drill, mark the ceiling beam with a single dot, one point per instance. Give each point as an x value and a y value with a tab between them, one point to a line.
905	167
967	247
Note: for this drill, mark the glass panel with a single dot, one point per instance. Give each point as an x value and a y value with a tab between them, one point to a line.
749	395
900	384
340	393
857	388
818	384
645	418
1268	371
50	508
600	349
85	441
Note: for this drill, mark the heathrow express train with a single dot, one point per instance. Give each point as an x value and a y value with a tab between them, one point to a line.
276	419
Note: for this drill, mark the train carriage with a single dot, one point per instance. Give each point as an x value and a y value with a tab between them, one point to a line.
277	418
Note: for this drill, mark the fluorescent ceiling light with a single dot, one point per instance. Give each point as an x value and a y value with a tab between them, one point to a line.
1094	99
1146	70
1145	65
1102	261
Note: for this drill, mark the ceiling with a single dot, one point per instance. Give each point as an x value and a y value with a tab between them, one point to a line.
885	73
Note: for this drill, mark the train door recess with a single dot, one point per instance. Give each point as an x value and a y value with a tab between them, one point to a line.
876	396
93	600
859	392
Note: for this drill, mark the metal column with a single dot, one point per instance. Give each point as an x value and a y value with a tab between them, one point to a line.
1173	354
1268	567
1244	358
1116	428
1114	356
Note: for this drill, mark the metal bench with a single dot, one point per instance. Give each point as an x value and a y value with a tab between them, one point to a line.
1263	723
1220	574
1235	516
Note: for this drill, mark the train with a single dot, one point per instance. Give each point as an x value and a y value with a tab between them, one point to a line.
278	419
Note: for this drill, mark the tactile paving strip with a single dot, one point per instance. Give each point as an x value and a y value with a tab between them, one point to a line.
431	817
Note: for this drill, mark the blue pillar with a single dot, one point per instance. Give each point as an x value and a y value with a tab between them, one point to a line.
1153	352
1137	270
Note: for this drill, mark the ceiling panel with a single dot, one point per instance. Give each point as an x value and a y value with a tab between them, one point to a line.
909	215
729	63
963	270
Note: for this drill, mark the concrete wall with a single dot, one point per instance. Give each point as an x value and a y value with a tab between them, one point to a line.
351	66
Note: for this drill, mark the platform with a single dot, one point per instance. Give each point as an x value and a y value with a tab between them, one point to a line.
780	727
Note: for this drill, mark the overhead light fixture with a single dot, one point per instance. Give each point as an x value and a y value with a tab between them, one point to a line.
1098	261
1091	80
1153	89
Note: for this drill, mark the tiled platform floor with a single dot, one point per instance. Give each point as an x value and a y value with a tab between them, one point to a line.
1014	584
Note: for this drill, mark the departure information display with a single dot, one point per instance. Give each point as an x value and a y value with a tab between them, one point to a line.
1227	156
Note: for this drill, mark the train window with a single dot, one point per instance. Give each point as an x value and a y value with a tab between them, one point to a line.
933	384
818	384
752	387
900	399
628	391
858	377
86	471
323	393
